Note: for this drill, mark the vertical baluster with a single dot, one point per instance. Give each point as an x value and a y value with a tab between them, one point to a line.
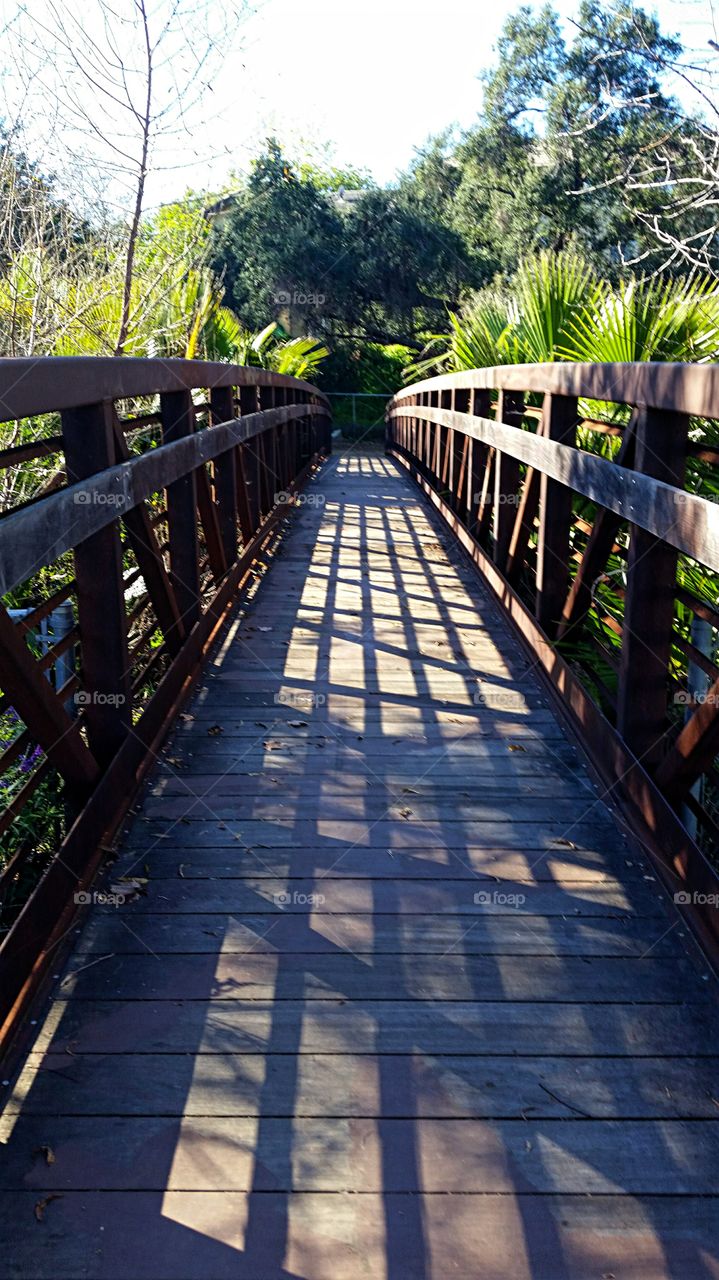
510	407
461	460
559	422
178	420
478	460
89	442
660	451
222	409
249	403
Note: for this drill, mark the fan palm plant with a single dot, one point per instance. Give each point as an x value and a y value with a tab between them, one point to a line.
647	319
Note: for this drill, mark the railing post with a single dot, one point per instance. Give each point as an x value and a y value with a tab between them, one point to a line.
89	441
478	460
660	452
178	420
559	421
222	409
510	408
249	403
460	404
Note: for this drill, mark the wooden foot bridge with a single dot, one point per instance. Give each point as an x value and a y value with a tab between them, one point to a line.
374	937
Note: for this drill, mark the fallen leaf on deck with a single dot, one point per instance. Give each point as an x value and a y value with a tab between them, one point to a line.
514	746
214	730
47	1154
41	1205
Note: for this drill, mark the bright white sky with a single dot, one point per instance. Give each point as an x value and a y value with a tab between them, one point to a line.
373	78
377	77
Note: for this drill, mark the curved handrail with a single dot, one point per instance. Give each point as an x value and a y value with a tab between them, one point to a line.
46	384
162	533
680	388
504	472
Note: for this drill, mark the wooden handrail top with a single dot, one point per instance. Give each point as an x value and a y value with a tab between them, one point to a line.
62	519
684	520
681	388
47	384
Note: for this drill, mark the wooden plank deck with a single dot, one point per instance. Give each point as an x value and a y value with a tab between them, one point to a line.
400	999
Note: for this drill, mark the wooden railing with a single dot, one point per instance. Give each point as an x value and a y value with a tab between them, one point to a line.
548	472
165	480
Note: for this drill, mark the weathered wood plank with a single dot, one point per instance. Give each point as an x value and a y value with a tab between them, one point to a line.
359	1084
327	1154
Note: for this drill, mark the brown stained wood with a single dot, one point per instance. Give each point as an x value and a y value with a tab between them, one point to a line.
660	452
524	521
244	511
146	550
399	1040
30	386
89	443
596	553
56	523
687	522
506	480
694	750
681	388
35	702
210	521
178	420
43	922
559	422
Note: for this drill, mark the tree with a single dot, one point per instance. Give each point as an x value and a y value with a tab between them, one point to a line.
281	249
565	129
109	91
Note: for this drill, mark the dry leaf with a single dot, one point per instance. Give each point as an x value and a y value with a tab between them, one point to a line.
514	746
297	724
47	1154
41	1205
214	730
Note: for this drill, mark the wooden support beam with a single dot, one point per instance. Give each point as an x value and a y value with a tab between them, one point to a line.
89	442
222	409
596	553
559	422
36	703
480	404
694	750
146	550
649	610
510	406
178	420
